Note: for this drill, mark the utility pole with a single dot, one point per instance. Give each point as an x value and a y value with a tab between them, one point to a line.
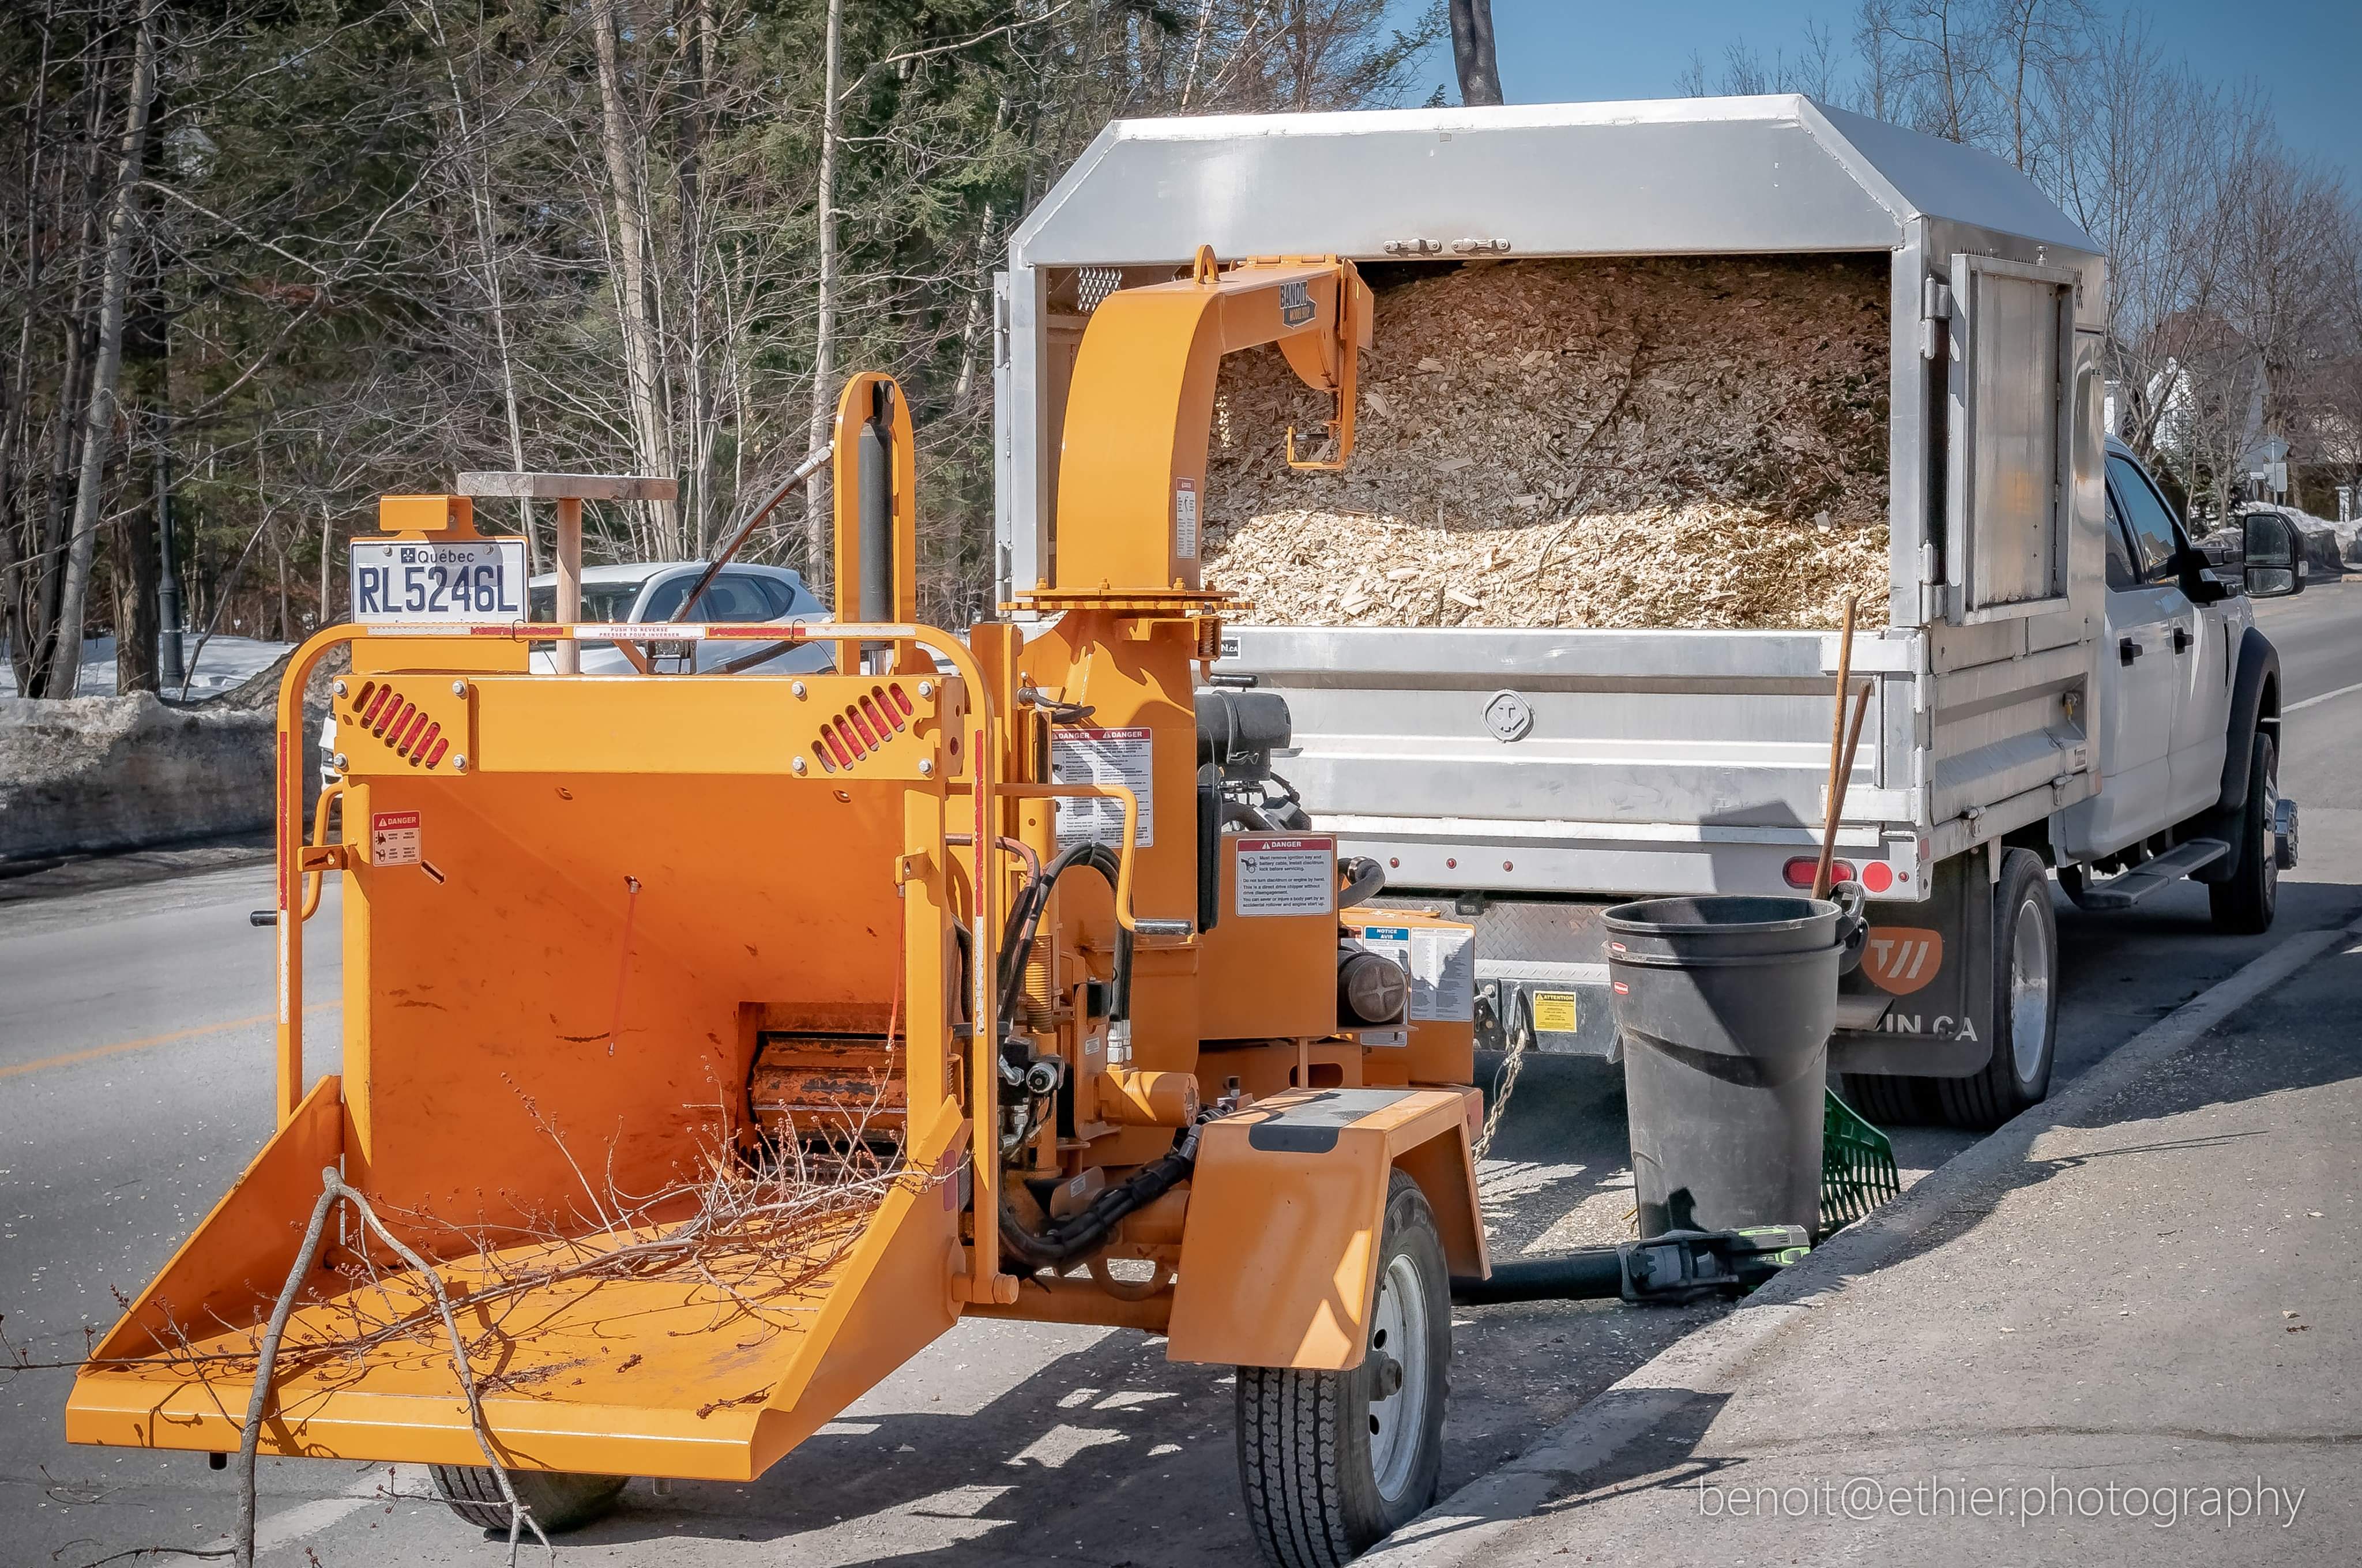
168	587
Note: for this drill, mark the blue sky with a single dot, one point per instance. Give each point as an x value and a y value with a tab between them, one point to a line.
2298	50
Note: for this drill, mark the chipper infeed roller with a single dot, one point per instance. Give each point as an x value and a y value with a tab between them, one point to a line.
714	1042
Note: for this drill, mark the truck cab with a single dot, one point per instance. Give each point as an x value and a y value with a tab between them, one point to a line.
2190	710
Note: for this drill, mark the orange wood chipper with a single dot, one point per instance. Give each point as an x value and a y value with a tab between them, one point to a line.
714	1042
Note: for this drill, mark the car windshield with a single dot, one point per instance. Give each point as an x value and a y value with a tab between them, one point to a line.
601	600
734	596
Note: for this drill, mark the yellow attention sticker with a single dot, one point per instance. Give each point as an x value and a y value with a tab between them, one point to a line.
1553	1013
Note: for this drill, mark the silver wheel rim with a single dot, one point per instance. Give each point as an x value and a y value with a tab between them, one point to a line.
2268	841
1398	1329
2029	992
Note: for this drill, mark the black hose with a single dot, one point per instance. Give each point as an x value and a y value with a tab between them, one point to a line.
1586	1273
1366	880
1018	941
1077	1234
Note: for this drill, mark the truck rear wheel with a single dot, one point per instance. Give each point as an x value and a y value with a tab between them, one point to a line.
2024	1021
1333	1462
2025	1004
559	1501
2244	904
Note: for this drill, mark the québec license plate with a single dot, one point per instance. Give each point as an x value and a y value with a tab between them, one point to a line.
474	580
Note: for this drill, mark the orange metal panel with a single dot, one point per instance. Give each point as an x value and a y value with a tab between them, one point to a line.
1264	974
1132	466
1279	1251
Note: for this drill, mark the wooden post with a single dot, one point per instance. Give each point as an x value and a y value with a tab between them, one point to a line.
1838	758
569	492
568	657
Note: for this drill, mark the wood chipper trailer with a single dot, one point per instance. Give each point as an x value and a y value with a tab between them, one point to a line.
717	1041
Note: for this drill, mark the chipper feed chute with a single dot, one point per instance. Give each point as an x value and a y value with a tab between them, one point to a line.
625	910
712	1041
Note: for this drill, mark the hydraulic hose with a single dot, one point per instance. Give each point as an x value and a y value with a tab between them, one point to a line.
1079	1234
1027	915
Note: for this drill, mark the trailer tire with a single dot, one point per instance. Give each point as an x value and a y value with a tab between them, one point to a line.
1326	1475
2243	903
2025	1004
559	1501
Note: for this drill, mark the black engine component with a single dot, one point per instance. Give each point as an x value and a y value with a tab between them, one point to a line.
1080	1234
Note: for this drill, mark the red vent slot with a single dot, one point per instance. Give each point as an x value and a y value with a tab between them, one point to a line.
410	737
442	744
369	690
420	741
880	712
900	701
835	746
821	755
395	722
369	714
861	727
856	735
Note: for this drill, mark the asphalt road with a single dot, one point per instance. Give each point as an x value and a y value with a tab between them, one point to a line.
135	1074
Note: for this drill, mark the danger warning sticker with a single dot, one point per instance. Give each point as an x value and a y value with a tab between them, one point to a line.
394	838
1081	755
1276	874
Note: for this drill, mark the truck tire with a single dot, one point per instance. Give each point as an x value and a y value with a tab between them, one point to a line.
1330	1464
559	1501
2025	1004
2245	903
1890	1100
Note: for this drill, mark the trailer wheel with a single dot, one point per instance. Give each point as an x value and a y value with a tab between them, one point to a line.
558	1499
2025	1006
2245	903
1333	1462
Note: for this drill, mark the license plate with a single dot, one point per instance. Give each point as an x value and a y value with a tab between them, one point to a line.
475	579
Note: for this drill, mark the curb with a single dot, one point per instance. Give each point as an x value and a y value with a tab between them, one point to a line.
1473	1519
61	876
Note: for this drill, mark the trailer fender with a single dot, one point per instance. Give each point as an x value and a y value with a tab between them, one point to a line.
1279	1251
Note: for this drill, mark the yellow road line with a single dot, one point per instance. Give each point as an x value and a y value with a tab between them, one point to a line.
69	1058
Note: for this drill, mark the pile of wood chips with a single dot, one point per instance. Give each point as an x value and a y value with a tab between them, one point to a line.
1615	444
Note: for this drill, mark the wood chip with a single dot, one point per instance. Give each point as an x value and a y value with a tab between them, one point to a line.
1620	443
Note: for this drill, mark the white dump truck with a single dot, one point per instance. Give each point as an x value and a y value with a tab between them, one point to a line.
2061	682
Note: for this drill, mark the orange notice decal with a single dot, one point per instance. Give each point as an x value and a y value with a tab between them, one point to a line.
1902	958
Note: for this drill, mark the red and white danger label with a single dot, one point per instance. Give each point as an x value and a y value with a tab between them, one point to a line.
1275	875
1082	755
394	838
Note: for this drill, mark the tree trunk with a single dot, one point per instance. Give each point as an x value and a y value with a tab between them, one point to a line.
1472	51
328	550
648	425
817	499
99	425
137	623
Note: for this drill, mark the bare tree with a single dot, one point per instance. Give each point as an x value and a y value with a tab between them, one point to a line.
99	423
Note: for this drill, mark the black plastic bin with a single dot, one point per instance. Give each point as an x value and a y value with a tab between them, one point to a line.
1726	1004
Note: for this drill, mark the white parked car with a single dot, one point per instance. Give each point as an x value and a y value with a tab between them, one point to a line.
643	592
